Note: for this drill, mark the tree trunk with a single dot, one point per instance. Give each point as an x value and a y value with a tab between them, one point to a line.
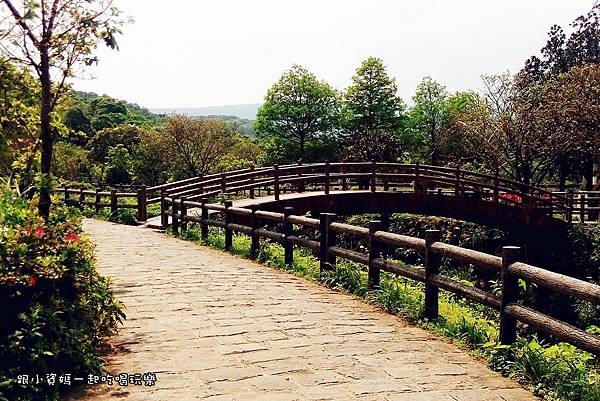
563	171
46	135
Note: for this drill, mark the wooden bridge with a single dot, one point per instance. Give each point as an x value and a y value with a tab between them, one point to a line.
392	187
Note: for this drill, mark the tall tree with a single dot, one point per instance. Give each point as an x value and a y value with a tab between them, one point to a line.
372	109
299	108
561	54
198	145
55	38
522	131
428	118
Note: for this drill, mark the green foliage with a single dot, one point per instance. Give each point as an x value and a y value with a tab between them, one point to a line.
56	308
70	162
118	166
428	119
128	136
298	109
372	109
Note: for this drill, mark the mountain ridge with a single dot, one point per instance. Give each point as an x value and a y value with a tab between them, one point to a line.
245	111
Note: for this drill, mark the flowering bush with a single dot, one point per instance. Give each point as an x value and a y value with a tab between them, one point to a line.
55	307
512	197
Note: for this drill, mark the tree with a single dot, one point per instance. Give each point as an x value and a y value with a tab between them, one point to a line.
78	122
428	118
298	109
559	56
198	145
152	158
119	166
372	109
560	53
519	131
55	38
19	119
70	161
99	146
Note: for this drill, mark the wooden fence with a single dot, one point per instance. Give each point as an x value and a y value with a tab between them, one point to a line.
251	221
98	199
374	177
327	177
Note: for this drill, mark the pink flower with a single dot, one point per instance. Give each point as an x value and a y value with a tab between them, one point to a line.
32	281
40	232
72	237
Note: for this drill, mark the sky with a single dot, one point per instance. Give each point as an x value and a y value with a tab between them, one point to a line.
197	53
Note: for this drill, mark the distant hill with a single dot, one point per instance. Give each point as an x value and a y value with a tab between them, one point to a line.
244	111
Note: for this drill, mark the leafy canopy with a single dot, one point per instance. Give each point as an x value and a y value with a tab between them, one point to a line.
298	109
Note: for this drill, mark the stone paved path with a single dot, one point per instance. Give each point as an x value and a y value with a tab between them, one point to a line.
216	327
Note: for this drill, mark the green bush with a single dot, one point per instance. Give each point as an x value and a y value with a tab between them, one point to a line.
56	308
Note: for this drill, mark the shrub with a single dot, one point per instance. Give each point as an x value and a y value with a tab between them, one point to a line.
56	307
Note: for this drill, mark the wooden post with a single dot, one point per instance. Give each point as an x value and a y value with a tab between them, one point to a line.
301	182
581	208
457	182
456	234
373	176
417	173
66	196
496	187
164	218
276	181
113	201
97	200
432	267
175	215
510	292
183	211
223	183
252	182
386	184
255	244
326	261
204	217
569	213
327	179
344	179
141	204
374	253
288	228
81	198
384	226
228	231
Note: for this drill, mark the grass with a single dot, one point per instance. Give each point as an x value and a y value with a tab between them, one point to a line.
558	372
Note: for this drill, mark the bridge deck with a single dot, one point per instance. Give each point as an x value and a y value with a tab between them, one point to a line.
217	327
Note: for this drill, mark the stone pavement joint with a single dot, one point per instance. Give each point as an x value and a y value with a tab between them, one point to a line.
217	327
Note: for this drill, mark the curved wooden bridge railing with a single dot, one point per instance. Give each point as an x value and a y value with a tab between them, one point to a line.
263	224
371	176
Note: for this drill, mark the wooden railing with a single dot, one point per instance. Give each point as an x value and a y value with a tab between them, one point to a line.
252	222
327	177
375	177
98	199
